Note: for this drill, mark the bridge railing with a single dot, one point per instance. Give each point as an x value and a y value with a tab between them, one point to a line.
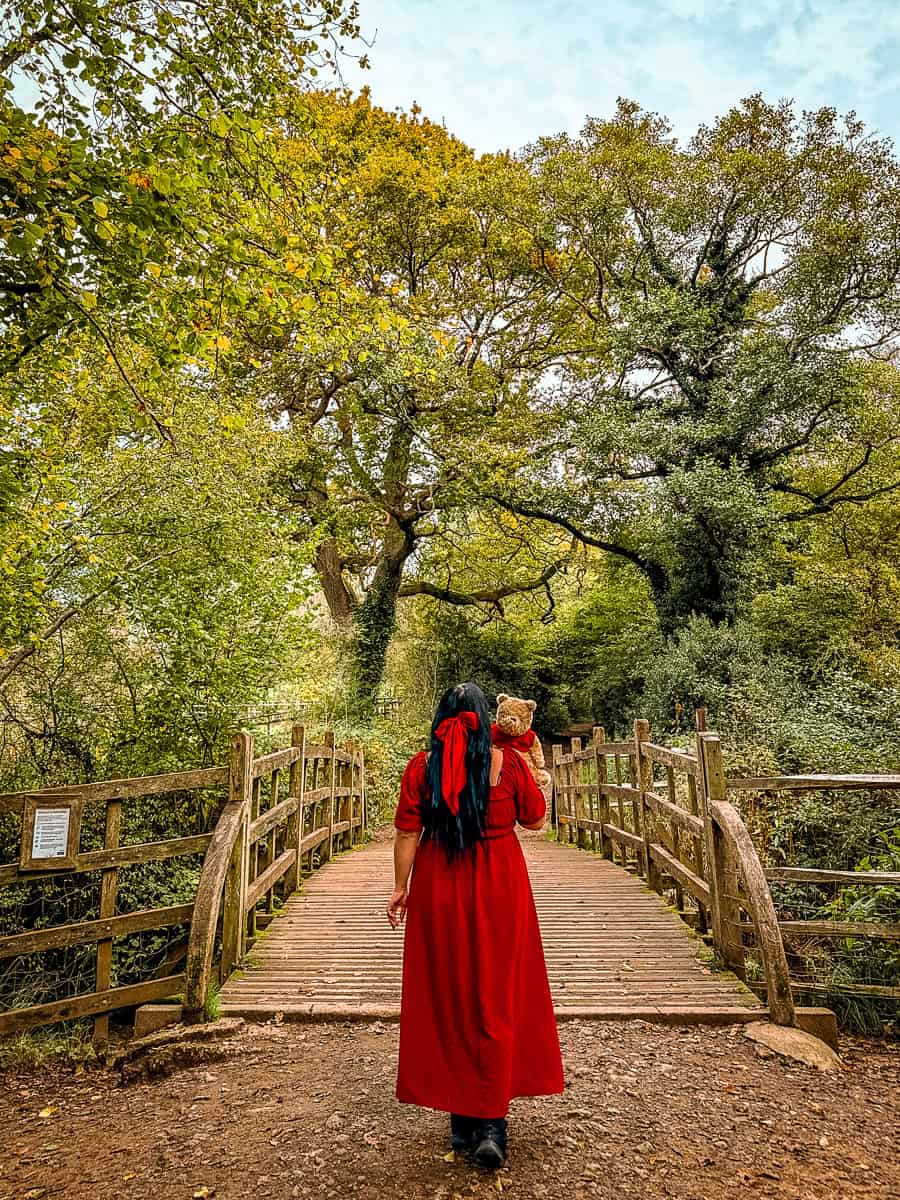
671	824
279	815
875	894
664	814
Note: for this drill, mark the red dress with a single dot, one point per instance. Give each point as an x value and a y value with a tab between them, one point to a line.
476	1025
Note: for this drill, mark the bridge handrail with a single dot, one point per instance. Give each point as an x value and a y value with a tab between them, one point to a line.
246	856
732	840
244	862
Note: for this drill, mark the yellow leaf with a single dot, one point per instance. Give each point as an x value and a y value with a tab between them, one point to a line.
223	342
203	1193
450	1157
130	1175
153	269
49	1111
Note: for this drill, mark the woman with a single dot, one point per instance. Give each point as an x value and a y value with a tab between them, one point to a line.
476	1025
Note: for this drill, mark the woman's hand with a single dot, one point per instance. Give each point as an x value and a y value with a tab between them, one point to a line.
396	909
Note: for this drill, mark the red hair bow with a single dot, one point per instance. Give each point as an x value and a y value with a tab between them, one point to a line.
454	732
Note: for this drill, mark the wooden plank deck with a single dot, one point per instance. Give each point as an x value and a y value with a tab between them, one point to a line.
614	951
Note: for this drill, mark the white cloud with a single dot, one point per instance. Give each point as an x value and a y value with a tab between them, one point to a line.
506	72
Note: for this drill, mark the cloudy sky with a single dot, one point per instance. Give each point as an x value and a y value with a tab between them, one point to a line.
503	72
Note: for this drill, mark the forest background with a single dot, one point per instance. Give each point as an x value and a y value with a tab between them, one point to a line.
304	402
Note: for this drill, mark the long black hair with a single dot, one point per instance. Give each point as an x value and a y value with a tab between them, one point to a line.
456	833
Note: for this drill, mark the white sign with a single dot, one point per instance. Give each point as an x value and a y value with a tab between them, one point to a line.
51	833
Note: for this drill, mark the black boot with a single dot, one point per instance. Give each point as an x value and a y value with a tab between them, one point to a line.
462	1131
490	1144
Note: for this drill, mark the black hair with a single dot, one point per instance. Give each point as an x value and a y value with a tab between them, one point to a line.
456	834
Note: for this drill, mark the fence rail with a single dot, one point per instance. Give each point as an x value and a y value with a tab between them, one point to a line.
663	813
283	814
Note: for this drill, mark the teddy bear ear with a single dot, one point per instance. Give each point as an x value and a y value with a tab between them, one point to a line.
501	696
532	704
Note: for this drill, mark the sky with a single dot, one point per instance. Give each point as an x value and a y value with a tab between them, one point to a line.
501	73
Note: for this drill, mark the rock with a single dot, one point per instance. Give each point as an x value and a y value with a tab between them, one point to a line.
335	1121
795	1044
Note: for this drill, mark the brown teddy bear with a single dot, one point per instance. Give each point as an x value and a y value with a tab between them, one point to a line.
513	728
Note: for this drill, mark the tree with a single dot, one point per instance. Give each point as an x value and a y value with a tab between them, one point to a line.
403	374
149	124
728	310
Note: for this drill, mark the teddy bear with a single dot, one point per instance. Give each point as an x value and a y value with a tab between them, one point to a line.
513	728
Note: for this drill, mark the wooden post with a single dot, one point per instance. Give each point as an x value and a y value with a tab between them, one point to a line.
711	783
239	792
581	835
571	814
731	946
255	853
294	833
556	775
697	850
599	737
700	720
364	799
109	886
329	741
673	799
272	847
347	802
644	782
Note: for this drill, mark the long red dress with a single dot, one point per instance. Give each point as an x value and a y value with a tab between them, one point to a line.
476	1025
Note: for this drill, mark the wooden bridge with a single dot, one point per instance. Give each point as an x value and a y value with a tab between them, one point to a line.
651	874
614	949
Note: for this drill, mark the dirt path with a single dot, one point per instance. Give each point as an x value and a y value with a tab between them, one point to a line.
308	1112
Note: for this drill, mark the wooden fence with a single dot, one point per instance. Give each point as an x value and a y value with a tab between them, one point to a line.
664	813
280	816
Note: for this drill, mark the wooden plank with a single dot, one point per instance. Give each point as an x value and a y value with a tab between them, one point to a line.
320	750
886	932
623	836
620	791
678	816
692	883
610	749
124	856
666	757
275	761
90	1003
315	796
313	839
120	789
811	875
270	875
811	783
851	989
272	817
85	932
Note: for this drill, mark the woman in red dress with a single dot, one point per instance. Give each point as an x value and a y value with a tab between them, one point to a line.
476	1025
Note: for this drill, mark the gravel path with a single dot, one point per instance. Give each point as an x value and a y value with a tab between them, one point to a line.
308	1111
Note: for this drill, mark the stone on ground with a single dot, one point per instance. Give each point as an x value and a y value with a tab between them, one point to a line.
794	1043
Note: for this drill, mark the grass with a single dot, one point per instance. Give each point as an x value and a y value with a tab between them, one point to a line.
48	1047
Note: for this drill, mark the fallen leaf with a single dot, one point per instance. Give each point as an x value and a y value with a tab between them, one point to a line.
450	1156
204	1193
49	1111
130	1175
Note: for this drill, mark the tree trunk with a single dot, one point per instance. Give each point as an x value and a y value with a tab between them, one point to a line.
374	620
